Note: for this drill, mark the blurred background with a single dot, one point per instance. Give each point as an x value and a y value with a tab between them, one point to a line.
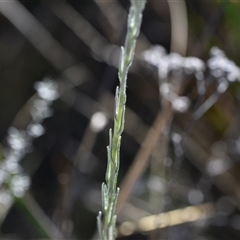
179	173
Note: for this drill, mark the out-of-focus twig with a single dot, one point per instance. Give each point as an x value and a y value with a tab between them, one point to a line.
38	218
179	26
99	46
167	219
225	181
41	39
142	158
113	12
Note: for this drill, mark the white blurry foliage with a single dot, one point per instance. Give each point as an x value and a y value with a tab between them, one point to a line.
35	130
17	139
98	121
47	89
172	63
179	103
175	66
221	67
13	181
40	110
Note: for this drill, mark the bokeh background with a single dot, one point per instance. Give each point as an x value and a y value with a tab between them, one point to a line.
169	160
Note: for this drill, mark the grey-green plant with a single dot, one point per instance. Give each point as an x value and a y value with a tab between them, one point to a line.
110	191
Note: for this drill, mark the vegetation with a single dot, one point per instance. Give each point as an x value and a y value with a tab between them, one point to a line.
109	190
180	148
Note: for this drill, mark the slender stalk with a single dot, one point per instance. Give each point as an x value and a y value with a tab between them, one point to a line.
109	189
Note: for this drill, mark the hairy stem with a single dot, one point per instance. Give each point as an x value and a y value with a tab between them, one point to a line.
109	189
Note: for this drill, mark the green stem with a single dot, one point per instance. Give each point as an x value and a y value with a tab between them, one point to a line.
109	189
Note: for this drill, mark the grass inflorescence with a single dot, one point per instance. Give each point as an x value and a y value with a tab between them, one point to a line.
110	190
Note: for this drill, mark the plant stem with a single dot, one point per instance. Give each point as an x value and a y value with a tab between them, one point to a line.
109	189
